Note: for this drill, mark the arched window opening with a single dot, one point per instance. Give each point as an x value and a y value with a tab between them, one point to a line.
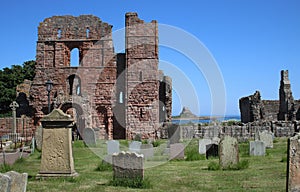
87	31
74	84
59	33
121	97
141	76
74	59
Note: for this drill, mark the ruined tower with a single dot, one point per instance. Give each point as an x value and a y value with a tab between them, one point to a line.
286	101
115	94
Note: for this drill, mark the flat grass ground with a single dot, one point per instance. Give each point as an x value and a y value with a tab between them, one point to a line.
266	173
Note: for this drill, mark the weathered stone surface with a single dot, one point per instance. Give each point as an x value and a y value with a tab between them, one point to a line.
96	87
267	138
229	152
174	133
287	109
5	183
176	151
135	146
18	181
147	150
57	155
39	137
293	170
89	137
128	166
252	108
257	148
202	145
113	146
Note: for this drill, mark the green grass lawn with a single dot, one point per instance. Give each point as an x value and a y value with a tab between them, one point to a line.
263	174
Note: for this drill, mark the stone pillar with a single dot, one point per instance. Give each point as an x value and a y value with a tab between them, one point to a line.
14	105
286	99
57	156
293	164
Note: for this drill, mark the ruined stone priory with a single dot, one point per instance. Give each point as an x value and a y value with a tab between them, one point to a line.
253	108
119	95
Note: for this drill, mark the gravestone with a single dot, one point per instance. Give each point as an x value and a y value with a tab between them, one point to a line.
202	145
266	137
212	150
174	133
293	168
128	165
113	146
39	138
176	151
257	148
135	146
18	181
57	155
229	152
147	150
89	137
5	183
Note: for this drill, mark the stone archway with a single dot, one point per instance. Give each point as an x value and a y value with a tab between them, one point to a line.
76	111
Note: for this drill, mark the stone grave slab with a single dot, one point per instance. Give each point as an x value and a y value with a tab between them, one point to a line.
257	148
18	181
57	155
89	137
212	150
229	152
176	151
127	165
202	145
5	183
147	150
267	138
113	146
135	146
293	171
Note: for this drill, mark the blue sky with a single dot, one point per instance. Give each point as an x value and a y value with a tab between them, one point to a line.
250	41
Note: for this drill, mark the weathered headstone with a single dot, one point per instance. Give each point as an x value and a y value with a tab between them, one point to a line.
39	138
113	146
135	146
147	150
18	181
176	151
128	165
228	152
89	137
5	183
257	148
267	138
174	133
57	155
212	150
202	145
293	171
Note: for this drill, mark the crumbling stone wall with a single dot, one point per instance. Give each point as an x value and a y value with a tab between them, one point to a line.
117	94
252	108
142	77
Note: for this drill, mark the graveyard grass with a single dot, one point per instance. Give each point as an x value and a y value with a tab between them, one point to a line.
266	173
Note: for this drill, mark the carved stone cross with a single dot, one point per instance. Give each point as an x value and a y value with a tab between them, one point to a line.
14	105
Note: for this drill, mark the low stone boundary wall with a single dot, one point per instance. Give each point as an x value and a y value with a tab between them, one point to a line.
240	131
